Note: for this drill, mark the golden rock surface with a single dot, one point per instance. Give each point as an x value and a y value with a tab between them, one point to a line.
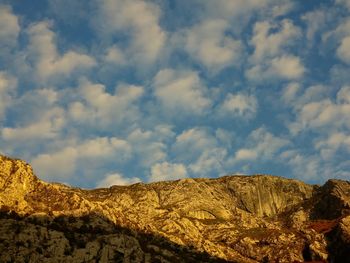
258	218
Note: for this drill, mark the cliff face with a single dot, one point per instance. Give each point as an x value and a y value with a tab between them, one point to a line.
234	218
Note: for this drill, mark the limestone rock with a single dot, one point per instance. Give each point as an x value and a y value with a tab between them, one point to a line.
258	218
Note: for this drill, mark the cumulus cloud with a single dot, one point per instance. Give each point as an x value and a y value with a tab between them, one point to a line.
117	179
261	144
330	145
296	96
190	144
209	44
343	95
240	105
114	55
267	44
287	67
8	86
210	162
343	51
246	154
58	165
290	92
181	91
323	113
9	27
48	62
271	59
225	137
344	2
62	164
167	171
139	19
47	127
340	36
244	8
99	107
150	145
305	167
203	150
191	73
315	21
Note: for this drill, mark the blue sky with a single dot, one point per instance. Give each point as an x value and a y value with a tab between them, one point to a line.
95	93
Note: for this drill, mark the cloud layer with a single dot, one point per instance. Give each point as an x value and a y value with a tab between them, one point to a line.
119	92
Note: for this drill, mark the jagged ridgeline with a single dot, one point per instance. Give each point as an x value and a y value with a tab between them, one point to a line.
230	219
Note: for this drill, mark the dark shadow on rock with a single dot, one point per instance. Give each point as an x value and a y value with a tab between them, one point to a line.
331	201
90	238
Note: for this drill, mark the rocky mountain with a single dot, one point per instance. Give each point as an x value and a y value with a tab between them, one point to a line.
258	218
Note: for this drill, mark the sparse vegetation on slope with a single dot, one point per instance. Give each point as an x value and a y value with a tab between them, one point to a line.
229	219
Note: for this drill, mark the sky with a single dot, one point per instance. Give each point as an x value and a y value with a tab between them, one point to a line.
101	92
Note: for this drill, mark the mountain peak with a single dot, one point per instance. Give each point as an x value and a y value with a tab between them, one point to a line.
235	218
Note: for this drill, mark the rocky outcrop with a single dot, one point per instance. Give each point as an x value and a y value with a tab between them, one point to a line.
256	218
332	200
339	241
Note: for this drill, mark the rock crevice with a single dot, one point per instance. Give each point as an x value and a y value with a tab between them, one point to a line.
258	218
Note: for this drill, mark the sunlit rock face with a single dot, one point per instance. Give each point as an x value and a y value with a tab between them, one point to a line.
230	219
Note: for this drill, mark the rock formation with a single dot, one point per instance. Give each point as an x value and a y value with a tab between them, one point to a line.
256	218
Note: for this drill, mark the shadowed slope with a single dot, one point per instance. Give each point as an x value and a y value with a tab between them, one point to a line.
233	218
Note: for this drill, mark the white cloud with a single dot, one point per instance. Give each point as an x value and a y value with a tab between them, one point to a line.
239	105
210	45
97	106
285	67
138	18
210	162
271	59
246	154
329	146
341	31
149	146
344	2
315	21
290	92
114	55
261	144
281	8
167	171
117	179
313	94
304	167
288	67
225	137
272	44
323	113
9	27
204	152
339	74
48	127
343	95
8	86
57	165
181	91
63	163
191	143
320	114
343	51
340	36
104	147
244	8
48	62
294	96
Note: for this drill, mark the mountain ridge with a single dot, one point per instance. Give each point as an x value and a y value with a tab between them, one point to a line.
259	218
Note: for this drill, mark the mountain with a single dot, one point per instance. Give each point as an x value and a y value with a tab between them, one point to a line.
259	218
